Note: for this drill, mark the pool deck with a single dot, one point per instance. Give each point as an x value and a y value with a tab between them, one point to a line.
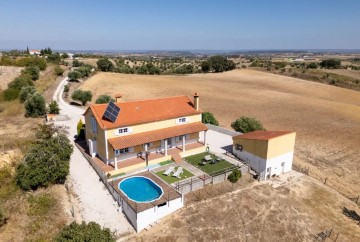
169	193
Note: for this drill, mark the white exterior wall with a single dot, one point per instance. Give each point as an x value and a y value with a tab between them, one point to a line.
259	164
147	217
275	163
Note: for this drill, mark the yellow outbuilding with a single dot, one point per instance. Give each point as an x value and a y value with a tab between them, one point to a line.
268	153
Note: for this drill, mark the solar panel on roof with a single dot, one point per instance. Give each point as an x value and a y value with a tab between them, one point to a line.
111	112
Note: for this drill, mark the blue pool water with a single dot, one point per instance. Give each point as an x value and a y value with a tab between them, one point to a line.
140	189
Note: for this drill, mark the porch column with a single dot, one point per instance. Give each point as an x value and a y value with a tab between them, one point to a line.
116	167
166	147
183	143
146	154
205	137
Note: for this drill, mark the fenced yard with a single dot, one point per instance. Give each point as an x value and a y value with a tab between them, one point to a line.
209	167
171	179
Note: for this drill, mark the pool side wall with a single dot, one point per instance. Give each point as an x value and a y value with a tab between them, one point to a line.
149	216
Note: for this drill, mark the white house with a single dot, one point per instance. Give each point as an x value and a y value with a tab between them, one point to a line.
34	52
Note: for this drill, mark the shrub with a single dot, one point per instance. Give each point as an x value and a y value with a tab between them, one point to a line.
80	130
58	70
20	82
331	63
76	63
26	92
66	88
84	70
234	176
35	106
74	75
208	118
11	94
246	125
3	219
91	232
82	96
32	71
104	99
312	65
54	107
105	64
46	161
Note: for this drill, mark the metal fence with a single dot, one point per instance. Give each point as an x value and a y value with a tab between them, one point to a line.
199	182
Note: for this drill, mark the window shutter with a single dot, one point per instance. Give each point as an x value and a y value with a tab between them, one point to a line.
131	149
130	130
187	120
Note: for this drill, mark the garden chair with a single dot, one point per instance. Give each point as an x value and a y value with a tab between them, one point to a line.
178	172
168	171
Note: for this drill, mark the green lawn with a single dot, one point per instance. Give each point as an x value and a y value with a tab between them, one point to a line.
209	168
170	179
165	162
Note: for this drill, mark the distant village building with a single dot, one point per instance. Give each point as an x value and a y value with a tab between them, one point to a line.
34	52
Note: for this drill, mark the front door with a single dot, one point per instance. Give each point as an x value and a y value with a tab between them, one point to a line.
92	147
282	167
169	143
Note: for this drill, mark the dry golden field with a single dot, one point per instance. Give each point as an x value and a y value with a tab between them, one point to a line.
297	211
7	74
326	118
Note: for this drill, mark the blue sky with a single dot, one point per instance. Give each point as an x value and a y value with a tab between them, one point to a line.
180	25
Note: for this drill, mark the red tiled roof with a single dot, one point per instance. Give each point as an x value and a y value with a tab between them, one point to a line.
151	136
262	135
145	111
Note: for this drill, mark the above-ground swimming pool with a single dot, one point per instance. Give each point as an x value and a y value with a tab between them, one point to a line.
140	189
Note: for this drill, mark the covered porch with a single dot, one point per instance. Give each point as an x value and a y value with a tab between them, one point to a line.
139	163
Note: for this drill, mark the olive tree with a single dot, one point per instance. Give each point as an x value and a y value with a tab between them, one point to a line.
246	125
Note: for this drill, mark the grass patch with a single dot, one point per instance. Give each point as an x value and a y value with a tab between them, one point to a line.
171	179
41	205
165	162
120	174
208	168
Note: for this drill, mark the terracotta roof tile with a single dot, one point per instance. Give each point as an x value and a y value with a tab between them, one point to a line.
151	136
145	111
262	135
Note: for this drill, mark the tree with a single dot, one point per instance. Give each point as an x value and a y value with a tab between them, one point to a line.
104	99
35	106
54	58
32	71
47	160
58	70
208	118
234	176
82	96
74	75
26	92
217	63
84	70
105	64
331	64
91	232
64	55
20	82
312	65
27	50
205	66
76	63
246	125
54	107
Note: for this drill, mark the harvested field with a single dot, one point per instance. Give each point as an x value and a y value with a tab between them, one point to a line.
326	118
297	211
350	73
7	74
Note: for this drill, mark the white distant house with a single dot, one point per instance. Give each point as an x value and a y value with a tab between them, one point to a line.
34	52
268	153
